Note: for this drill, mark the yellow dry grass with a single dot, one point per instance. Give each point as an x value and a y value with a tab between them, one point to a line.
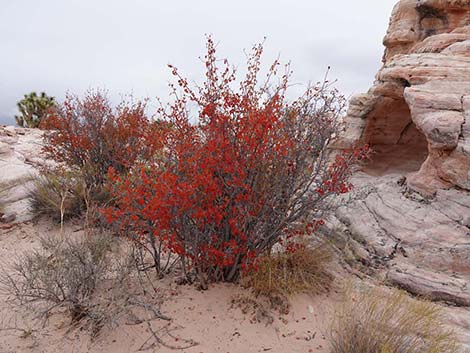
379	321
57	195
286	274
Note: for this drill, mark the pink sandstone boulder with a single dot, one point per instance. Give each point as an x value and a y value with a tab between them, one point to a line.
20	157
419	106
407	220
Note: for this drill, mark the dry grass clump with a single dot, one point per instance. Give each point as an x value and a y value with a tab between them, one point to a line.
58	195
376	321
289	273
65	275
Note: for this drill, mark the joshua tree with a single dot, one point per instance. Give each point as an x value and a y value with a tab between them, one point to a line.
33	109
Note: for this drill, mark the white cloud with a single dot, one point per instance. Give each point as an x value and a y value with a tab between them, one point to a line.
124	46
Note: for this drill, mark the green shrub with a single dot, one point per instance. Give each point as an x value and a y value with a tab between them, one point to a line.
33	109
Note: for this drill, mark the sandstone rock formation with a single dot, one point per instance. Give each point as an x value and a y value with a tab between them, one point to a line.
418	244
387	232
417	114
19	158
407	221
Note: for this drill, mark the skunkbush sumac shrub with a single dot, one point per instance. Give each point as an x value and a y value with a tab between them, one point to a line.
90	136
241	168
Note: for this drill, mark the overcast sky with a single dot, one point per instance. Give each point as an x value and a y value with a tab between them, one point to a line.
124	46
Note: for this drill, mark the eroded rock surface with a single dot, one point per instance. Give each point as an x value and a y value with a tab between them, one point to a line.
19	158
420	100
394	231
407	222
390	232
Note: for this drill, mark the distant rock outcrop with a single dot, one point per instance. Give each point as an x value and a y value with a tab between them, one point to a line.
19	158
419	107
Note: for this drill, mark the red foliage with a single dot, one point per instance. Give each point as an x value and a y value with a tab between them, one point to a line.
90	136
251	170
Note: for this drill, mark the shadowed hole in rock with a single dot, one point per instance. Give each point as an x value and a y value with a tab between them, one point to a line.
431	20
399	147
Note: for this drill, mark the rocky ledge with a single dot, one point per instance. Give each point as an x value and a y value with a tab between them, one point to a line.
408	219
421	245
389	232
407	222
19	158
420	100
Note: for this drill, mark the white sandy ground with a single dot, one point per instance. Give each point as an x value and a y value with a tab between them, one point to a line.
207	317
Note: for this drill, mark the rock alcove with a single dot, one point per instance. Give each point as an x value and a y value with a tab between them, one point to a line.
397	144
417	114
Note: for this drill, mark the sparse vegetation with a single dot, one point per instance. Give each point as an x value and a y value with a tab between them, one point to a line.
34	109
92	279
65	274
379	321
291	272
57	194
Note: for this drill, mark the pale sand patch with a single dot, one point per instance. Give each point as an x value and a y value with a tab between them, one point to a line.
207	317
